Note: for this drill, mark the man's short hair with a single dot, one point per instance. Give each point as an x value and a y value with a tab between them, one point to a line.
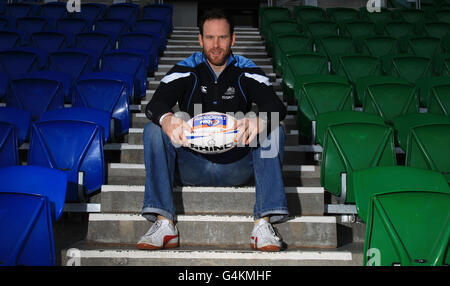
216	14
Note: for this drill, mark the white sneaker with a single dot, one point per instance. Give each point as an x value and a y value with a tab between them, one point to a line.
162	234
264	238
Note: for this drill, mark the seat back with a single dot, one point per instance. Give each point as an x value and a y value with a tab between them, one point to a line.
380	45
161	12
145	44
399	29
437	29
30	25
268	15
9	152
428	148
91	12
113	27
411	67
443	16
17	62
306	14
35	95
357	66
318	29
391	99
53	11
9	40
359	28
425	46
20	118
361	84
49	41
353	146
326	119
154	27
288	43
73	147
298	64
72	26
74	63
123	11
439	101
95	41
341	14
107	95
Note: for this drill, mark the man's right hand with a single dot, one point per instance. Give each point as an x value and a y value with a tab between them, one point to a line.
174	128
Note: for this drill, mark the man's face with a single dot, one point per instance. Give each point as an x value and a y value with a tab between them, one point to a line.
216	42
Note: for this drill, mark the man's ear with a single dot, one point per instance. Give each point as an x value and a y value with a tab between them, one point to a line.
200	40
233	39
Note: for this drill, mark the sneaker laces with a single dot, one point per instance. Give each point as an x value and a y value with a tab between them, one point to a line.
155	227
273	232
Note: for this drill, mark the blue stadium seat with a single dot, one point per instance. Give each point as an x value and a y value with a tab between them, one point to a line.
30	25
20	118
33	197
48	41
42	56
97	42
63	78
113	27
72	26
159	12
91	115
9	39
53	11
35	95
4	23
15	62
144	44
128	12
4	82
91	12
127	78
71	146
107	95
18	10
129	63
72	62
9	152
153	27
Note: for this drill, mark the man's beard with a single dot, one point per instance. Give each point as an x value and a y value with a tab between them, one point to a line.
218	61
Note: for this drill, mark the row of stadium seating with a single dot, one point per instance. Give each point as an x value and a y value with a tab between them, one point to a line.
337	62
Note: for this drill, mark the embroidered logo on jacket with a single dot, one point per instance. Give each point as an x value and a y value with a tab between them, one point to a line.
229	93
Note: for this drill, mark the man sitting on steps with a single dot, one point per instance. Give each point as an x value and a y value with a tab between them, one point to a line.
216	80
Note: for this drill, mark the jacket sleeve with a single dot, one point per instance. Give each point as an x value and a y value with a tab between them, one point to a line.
257	87
170	91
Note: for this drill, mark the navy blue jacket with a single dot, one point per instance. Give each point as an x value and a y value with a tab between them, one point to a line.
192	82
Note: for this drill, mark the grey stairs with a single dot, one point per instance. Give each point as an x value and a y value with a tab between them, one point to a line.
214	223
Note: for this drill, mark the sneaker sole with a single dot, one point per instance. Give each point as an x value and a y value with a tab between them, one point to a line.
267	248
146	246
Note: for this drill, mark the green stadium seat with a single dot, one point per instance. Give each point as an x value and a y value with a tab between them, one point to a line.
391	99
413	16
425	46
380	45
313	78
379	18
410	67
357	66
439	100
358	30
306	14
361	84
287	43
268	15
446	63
342	14
406	211
399	29
354	146
428	148
324	120
319	97
299	64
403	124
425	84
324	28
279	27
334	47
443	15
437	29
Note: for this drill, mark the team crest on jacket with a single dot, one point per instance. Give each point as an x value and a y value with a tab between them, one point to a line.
203	89
229	93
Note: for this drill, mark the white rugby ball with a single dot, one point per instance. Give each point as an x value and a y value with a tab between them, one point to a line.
212	133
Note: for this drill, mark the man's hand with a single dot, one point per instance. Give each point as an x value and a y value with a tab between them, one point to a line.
248	129
174	128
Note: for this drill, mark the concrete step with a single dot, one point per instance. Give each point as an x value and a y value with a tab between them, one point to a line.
162	71
194	42
238	49
212	200
174	60
134	174
194	36
253	55
214	230
84	254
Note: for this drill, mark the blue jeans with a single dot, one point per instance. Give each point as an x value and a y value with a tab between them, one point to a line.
161	156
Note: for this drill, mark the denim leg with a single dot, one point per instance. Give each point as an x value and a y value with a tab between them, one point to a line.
159	158
267	167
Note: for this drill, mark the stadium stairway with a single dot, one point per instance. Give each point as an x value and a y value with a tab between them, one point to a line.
214	223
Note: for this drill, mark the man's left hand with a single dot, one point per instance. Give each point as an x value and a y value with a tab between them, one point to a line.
248	129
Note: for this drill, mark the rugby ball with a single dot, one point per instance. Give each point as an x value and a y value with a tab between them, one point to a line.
212	133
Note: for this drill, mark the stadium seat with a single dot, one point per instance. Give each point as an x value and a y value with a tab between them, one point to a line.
9	40
52	11
30	25
85	114
319	97
354	146
425	84
129	63
107	95
437	29
20	118
160	12
404	123
48	41
399	29
410	67
153	27
299	64
361	84
96	42
356	66
143	44
9	151
427	47
71	146
428	148
120	76
379	18
358	30
287	43
3	23
406	214
35	95
267	15
112	27
342	14
306	14
15	62
439	100
334	47
391	99
18	10
326	119
91	12
319	29
4	82
72	26
128	12
279	27
443	15
379	46
413	16
32	197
